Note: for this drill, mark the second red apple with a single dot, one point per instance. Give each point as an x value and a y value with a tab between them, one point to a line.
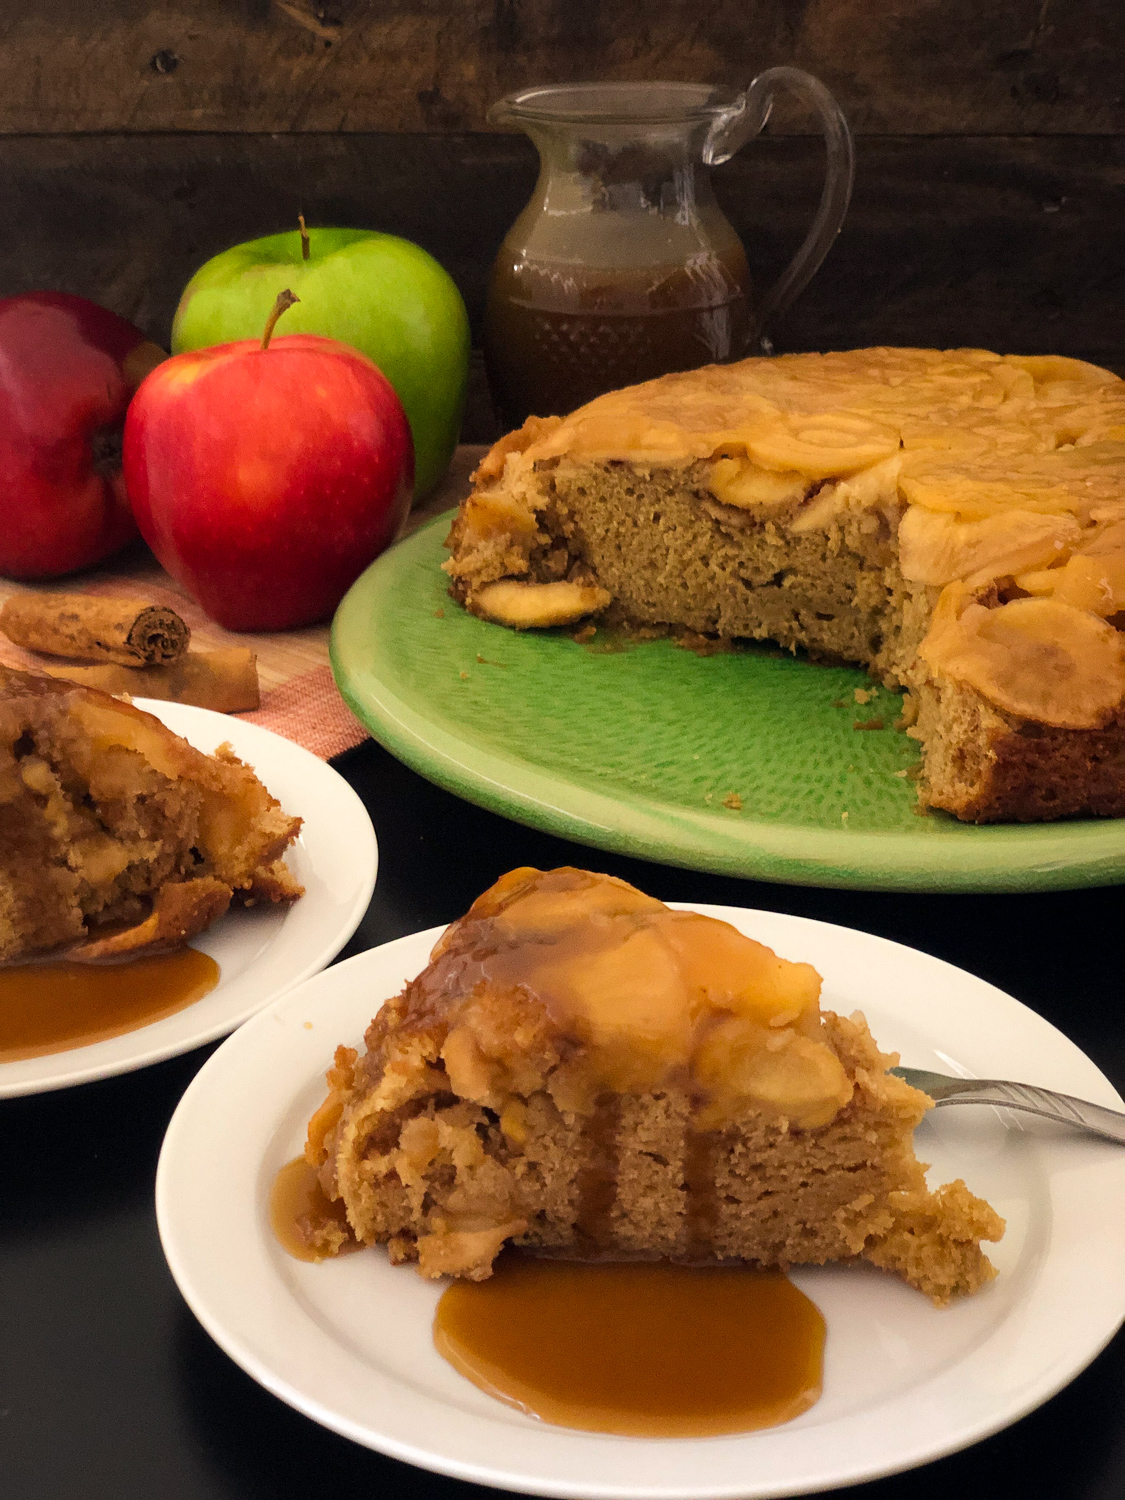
67	371
267	479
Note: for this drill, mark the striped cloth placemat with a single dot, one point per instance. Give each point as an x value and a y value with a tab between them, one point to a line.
299	697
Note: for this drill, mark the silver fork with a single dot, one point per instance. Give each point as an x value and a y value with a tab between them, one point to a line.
1109	1124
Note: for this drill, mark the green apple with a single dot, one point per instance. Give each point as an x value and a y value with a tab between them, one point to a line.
381	294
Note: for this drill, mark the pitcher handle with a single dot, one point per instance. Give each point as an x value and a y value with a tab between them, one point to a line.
733	130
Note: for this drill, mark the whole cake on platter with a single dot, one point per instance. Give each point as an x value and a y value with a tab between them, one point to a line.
954	521
585	1072
118	837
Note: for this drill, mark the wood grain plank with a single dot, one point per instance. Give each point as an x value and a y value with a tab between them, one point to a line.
899	67
1010	243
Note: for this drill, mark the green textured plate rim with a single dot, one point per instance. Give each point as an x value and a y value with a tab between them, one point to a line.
379	632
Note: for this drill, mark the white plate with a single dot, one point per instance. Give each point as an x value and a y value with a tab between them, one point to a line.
349	1343
261	952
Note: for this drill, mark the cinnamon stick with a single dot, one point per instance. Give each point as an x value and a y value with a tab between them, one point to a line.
226	680
128	632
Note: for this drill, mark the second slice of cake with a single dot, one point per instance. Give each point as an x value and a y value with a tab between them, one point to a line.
583	1071
118	837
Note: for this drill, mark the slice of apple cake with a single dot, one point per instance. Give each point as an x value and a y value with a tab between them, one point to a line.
118	836
585	1072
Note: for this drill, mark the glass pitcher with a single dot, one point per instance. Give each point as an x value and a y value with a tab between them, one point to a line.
622	266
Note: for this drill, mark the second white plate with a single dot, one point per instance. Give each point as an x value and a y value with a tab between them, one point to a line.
349	1342
261	952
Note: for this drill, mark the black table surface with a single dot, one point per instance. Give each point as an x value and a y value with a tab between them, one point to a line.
109	1387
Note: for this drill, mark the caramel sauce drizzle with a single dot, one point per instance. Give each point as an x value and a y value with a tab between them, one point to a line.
597	1178
701	1209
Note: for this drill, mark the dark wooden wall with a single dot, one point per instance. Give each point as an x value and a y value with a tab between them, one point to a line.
136	139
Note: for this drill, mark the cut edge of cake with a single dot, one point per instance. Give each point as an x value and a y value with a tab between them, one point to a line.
955	522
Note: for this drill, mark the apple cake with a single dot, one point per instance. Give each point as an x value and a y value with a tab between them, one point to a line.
954	521
116	835
585	1072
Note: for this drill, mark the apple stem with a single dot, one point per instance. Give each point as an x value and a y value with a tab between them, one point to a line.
304	237
285	299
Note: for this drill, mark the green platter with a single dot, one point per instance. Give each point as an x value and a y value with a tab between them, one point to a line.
745	764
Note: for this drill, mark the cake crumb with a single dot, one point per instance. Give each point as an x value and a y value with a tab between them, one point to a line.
308	1025
844	816
484	662
869	724
861	695
587	633
464	676
733	801
903	773
703	645
439	614
708	796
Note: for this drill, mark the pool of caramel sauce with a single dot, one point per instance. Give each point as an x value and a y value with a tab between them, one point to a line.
51	1007
640	1349
297	1204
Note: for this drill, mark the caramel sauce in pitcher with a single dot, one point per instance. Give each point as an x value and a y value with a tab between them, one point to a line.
557	334
622	265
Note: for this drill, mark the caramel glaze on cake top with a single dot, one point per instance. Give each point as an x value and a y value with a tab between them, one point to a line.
985	493
584	1071
623	995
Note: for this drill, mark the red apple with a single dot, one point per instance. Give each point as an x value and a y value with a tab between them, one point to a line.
67	370
266	479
